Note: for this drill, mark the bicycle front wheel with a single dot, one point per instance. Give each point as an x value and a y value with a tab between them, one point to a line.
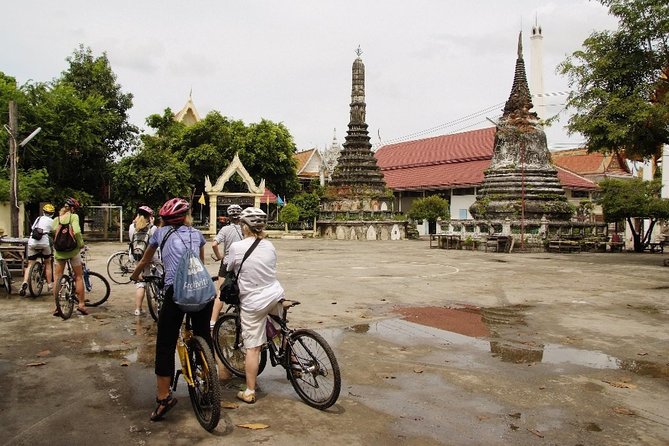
120	267
154	299
64	297
314	371
36	279
229	347
205	393
6	277
97	289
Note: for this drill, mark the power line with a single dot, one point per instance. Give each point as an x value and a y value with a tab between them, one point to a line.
477	114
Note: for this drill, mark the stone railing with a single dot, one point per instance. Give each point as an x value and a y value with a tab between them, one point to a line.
530	235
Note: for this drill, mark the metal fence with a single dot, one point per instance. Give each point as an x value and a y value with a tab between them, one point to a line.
103	223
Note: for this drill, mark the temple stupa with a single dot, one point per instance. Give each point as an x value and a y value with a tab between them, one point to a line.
521	183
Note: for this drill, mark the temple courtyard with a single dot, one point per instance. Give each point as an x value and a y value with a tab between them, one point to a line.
436	347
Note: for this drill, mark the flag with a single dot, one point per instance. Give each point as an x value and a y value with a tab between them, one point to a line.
279	201
201	200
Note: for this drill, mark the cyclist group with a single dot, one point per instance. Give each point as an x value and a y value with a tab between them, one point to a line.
259	290
41	244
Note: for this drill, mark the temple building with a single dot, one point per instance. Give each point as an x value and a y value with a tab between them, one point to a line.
357	205
521	183
188	115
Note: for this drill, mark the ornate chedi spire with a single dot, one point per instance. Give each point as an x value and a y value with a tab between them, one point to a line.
520	101
521	183
357	171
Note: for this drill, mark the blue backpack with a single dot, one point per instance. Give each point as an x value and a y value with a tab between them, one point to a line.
193	287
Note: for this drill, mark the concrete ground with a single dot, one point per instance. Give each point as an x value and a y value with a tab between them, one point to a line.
436	347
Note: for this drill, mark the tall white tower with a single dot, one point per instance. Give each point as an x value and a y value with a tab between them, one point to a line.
537	71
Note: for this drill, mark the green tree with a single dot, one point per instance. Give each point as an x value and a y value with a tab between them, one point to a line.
621	94
266	149
308	205
629	199
289	214
429	208
84	121
144	179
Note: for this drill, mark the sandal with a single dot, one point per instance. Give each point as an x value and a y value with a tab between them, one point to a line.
166	404
56	312
83	311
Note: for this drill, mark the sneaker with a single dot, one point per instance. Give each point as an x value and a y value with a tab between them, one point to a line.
24	287
138	312
248	398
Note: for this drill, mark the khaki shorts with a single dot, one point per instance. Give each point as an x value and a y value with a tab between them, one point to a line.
253	325
38	251
75	261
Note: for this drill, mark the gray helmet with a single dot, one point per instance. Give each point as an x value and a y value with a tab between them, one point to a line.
234	210
254	218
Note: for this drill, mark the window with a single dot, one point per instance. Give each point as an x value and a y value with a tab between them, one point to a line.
580	194
463	214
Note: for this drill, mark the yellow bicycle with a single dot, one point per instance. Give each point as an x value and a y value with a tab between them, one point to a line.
198	369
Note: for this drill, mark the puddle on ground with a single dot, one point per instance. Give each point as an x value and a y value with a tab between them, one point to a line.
130	355
407	333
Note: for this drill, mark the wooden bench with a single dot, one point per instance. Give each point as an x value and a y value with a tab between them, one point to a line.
655	247
445	241
564	246
499	243
14	252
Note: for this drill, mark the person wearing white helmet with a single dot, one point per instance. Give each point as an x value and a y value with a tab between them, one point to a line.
39	245
226	237
259	291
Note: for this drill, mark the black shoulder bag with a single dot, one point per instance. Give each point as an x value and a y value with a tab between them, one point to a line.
230	288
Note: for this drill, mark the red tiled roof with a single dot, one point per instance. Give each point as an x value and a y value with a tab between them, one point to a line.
472	145
303	158
449	161
584	163
437	176
268	196
570	180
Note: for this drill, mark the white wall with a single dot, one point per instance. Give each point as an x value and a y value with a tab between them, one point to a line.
6	219
459	202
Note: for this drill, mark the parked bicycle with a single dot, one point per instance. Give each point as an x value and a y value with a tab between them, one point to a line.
198	369
6	275
37	276
153	290
310	364
120	267
96	287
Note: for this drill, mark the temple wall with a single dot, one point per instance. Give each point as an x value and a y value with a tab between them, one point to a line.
361	230
535	233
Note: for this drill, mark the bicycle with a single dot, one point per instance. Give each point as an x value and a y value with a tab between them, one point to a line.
120	267
198	369
6	275
310	364
153	290
96	287
37	276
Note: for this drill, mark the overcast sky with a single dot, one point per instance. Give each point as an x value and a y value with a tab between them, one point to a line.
429	63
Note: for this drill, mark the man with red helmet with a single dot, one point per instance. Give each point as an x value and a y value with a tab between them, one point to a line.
174	239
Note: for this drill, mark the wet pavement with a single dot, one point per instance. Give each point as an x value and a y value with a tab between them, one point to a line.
436	347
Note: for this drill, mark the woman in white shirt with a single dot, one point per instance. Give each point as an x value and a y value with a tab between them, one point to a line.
259	291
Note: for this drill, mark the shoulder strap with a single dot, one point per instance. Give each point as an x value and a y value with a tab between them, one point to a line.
35	222
162	243
247	254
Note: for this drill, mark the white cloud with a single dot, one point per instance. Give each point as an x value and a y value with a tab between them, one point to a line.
428	61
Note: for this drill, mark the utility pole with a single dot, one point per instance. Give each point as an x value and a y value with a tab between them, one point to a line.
13	173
